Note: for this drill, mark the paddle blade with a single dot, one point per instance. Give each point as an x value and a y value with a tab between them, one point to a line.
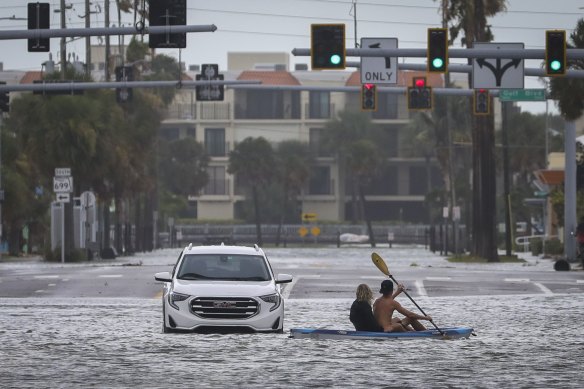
380	263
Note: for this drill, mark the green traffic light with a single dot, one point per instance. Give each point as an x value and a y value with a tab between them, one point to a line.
437	63
335	59
555	65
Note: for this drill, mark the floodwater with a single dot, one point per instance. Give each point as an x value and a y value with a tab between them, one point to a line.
523	341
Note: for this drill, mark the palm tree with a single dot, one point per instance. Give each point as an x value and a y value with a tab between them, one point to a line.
254	163
364	160
352	137
294	162
470	17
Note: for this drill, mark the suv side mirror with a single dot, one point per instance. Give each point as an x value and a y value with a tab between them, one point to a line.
163	276
283	278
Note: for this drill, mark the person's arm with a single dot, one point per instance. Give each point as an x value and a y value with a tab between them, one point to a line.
410	314
400	288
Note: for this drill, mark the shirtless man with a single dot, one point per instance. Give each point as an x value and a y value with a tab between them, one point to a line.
385	305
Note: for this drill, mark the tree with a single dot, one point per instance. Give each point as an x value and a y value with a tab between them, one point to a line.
353	137
294	162
254	163
470	17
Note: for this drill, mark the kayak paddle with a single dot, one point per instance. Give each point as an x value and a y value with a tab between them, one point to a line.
380	263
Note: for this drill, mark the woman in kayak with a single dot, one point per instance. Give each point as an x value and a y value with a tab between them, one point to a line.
361	314
385	305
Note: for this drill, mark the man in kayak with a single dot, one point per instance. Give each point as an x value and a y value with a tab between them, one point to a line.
385	305
361	314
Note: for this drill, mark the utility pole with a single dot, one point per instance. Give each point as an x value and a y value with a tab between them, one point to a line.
107	41
451	175
63	45
87	42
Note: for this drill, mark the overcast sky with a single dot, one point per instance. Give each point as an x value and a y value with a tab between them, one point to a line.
282	25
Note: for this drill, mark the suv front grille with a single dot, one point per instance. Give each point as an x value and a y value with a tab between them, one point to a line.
224	307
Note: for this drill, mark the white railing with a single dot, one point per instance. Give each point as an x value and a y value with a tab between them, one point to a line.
525	240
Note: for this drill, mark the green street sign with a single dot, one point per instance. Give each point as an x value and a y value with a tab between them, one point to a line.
522	94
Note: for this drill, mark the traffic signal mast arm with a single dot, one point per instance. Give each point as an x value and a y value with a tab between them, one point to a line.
452	53
55	86
101	31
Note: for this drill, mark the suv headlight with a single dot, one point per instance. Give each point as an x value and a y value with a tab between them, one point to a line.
173	297
272	299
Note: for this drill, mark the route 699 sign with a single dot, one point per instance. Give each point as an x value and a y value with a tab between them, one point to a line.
63	184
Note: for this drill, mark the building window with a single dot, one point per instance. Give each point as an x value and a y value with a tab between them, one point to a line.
418	180
319	105
215	142
386	106
170	133
217	184
320	182
385	183
258	104
317	146
192	132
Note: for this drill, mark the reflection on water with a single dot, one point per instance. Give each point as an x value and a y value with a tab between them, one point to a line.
523	341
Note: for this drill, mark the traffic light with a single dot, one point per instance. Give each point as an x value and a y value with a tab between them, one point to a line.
38	18
327	46
368	97
419	95
481	102
4	100
437	54
124	73
555	52
168	13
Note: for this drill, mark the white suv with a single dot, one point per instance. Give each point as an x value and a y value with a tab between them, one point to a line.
222	288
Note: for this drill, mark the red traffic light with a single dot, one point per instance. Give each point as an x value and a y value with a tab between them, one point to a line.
420	82
368	86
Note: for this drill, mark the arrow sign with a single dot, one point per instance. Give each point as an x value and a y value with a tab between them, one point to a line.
63	197
496	73
379	70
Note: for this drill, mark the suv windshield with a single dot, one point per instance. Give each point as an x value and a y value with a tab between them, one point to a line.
227	267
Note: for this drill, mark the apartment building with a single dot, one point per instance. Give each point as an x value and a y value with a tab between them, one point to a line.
283	114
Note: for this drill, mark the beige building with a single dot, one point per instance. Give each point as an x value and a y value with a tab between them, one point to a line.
279	115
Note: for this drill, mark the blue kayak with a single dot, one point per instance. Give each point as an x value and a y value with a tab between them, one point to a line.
317	333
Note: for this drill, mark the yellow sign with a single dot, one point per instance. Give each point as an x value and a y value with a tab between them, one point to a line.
303	231
309	217
315	231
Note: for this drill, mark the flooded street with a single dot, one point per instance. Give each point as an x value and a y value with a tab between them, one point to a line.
531	340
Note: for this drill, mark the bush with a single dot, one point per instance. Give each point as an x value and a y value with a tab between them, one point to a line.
554	247
536	246
76	255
